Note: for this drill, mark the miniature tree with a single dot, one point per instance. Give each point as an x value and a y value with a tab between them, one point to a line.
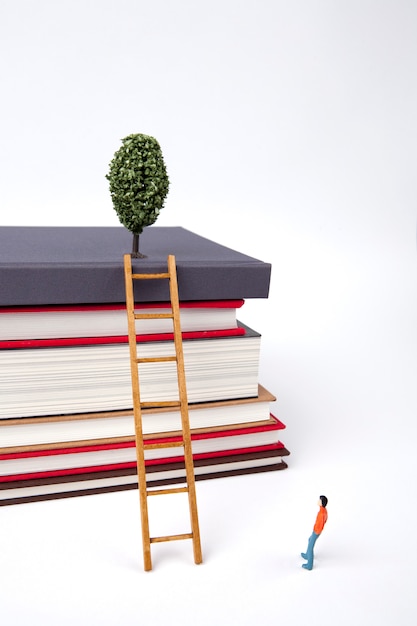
138	184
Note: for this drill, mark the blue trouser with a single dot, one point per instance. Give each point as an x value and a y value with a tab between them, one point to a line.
310	549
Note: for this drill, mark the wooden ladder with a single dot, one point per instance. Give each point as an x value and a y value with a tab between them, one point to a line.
182	403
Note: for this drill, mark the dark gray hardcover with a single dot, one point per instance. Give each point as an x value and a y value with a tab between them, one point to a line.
84	265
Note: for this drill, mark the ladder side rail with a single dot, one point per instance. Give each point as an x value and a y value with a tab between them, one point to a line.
188	455
140	453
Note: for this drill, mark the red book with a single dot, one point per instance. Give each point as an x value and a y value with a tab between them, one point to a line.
76	325
105	457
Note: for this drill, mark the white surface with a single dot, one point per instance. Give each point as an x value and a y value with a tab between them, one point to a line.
289	133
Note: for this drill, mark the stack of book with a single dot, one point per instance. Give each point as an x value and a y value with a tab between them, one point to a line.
66	419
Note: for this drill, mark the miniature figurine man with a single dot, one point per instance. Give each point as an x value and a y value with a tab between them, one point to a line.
321	519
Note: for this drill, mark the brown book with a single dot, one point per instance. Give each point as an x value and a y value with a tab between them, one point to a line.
59	431
83	459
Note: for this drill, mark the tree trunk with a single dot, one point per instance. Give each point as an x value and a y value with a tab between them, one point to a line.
135	248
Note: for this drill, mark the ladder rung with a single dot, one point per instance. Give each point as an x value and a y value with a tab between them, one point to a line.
164	492
147	405
145	276
156	446
171	538
156	359
153	316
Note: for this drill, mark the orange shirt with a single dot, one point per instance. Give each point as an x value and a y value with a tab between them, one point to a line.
321	519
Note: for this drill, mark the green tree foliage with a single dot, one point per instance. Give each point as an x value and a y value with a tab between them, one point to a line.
138	182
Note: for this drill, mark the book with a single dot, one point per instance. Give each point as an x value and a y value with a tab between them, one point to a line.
73	485
56	431
82	459
22	326
66	424
84	265
93	378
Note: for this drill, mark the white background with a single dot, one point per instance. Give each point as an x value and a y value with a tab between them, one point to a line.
289	133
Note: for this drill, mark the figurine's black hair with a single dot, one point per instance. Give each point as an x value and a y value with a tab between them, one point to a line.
323	500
